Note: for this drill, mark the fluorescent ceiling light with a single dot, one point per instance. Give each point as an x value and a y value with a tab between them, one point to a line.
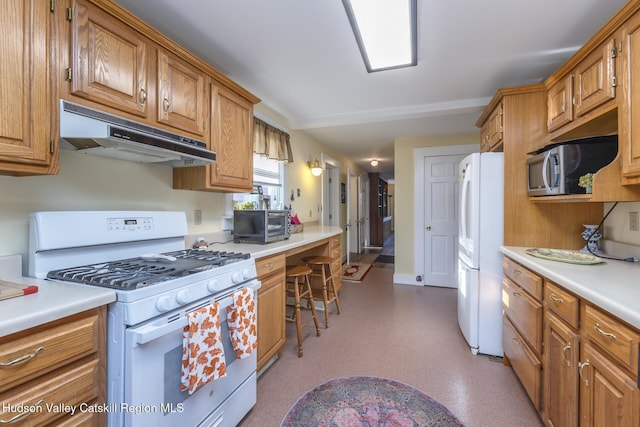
386	32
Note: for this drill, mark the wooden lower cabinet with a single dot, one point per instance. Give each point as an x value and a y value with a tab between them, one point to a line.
560	374
608	396
271	307
58	363
587	373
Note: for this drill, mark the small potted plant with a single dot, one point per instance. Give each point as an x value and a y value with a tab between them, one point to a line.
586	182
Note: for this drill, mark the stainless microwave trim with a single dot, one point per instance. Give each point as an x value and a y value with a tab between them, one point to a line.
98	133
552	183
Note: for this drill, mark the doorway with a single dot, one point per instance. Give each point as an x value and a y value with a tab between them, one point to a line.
436	214
330	191
355	214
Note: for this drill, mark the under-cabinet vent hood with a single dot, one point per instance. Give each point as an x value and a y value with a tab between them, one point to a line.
97	133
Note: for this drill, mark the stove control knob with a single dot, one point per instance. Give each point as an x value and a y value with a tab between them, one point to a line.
163	303
236	278
213	285
184	296
247	274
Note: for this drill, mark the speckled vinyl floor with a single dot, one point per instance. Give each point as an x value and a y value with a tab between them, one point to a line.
401	332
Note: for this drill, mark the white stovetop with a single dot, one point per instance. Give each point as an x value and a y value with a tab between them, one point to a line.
612	285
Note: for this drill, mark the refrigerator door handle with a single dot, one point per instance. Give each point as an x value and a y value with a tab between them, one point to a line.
463	205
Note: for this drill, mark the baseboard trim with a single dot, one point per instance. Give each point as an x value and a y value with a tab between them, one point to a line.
406	279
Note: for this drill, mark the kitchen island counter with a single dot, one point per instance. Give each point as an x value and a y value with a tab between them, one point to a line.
611	285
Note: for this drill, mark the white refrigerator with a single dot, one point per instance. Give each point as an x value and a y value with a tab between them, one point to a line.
479	258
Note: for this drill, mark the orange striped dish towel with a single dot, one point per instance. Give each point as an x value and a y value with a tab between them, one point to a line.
202	351
241	318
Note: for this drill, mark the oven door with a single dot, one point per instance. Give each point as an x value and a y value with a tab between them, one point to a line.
153	356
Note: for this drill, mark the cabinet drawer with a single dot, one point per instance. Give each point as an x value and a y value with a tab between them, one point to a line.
524	312
70	386
563	303
524	278
612	336
524	362
335	242
47	348
268	265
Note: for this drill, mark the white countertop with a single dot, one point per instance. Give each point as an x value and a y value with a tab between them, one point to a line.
612	285
52	301
56	300
310	234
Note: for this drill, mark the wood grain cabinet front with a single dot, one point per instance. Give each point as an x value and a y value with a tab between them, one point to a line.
271	307
110	61
492	130
27	127
628	115
55	365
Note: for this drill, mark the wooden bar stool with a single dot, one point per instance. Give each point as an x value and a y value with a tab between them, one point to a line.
299	289
327	293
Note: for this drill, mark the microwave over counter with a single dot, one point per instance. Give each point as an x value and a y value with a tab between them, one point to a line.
557	168
260	226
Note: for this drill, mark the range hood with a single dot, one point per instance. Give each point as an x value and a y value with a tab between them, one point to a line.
97	133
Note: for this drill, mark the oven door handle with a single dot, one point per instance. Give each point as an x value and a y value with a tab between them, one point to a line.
151	332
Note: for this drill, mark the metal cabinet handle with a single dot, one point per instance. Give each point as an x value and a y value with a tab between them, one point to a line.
21	415
582	365
555	299
516	271
23	359
143	96
515	340
516	294
165	105
564	349
599	330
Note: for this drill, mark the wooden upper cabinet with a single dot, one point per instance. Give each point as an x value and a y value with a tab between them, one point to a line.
560	103
492	130
595	79
232	128
629	109
110	61
182	95
27	125
575	98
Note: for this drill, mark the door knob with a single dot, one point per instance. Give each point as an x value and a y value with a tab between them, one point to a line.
428	228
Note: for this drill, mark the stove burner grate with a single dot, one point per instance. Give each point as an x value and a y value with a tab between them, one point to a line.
135	273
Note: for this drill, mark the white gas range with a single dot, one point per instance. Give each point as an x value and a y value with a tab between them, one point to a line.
157	282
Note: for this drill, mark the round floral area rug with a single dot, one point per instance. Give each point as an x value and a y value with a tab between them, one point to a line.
367	401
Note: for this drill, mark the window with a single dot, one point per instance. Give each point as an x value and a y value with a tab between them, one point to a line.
269	174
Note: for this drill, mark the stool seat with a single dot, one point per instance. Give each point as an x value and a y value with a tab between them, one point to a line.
324	291
298	287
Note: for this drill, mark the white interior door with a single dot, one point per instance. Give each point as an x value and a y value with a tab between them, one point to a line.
440	233
352	222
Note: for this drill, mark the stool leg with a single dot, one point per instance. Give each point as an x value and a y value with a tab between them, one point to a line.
312	305
296	291
325	297
333	289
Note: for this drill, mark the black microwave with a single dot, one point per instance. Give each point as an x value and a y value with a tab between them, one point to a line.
260	226
557	168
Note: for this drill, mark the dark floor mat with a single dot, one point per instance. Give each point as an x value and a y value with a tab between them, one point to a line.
387	259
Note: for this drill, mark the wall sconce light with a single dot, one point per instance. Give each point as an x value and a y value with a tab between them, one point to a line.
316	169
374	162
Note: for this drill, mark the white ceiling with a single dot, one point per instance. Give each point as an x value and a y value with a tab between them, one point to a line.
300	57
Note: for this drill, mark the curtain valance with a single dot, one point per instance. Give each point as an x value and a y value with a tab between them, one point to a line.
271	141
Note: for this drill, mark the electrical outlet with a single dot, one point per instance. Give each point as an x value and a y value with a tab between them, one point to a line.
197	217
633	221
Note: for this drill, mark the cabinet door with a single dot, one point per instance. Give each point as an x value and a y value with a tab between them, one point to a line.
594	79
182	95
25	97
494	128
271	318
560	103
629	107
608	396
232	138
110	62
560	373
